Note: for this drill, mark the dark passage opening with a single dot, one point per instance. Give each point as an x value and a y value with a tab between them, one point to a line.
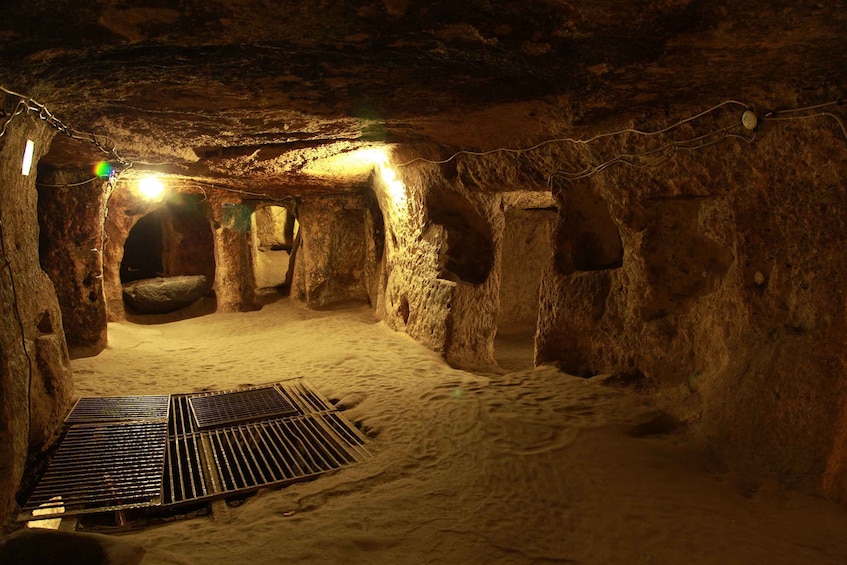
169	261
175	239
587	237
143	249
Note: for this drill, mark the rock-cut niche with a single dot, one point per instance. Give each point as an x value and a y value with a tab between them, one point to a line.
169	258
467	252
587	238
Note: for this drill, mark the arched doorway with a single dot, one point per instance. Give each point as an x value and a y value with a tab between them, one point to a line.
174	240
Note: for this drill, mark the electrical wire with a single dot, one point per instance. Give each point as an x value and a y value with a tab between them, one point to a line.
26	104
202	185
70	184
805	108
576	141
664	152
816	115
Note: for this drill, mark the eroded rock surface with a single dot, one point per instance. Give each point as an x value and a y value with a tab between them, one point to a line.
35	375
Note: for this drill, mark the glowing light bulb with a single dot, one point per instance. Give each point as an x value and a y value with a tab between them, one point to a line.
151	187
26	164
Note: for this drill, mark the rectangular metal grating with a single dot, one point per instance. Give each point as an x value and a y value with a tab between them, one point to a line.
243	457
218	409
269	435
278	452
102	467
119	408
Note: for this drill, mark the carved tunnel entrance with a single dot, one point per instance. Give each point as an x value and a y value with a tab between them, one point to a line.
170	250
526	250
275	232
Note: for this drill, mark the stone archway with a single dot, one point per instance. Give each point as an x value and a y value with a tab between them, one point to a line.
171	251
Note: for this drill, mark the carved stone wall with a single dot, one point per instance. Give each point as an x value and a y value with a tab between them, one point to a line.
333	255
71	219
35	375
728	298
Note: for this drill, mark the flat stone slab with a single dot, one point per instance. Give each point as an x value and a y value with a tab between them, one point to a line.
164	294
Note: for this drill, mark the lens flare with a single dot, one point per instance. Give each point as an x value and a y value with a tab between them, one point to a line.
103	169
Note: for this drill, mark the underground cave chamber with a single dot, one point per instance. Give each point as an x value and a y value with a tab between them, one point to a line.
648	275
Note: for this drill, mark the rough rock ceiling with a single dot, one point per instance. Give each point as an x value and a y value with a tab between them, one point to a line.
253	90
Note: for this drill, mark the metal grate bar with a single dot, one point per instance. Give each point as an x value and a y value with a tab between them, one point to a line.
304	396
333	453
278	451
312	446
350	434
277	445
218	409
181	422
101	467
184	478
119	408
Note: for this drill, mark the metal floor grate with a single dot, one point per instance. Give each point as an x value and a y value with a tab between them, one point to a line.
103	467
304	396
218	409
119	408
109	466
208	463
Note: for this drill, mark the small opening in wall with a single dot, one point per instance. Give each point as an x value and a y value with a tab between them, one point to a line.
274	230
403	309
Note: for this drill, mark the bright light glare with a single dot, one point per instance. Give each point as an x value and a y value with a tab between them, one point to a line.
26	164
396	188
150	188
359	162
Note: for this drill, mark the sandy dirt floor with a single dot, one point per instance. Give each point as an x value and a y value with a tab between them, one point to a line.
533	466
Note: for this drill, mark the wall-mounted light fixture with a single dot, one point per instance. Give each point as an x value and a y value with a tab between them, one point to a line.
26	164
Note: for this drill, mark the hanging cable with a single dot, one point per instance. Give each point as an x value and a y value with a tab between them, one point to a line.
659	154
70	184
772	117
805	108
576	141
663	152
26	104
